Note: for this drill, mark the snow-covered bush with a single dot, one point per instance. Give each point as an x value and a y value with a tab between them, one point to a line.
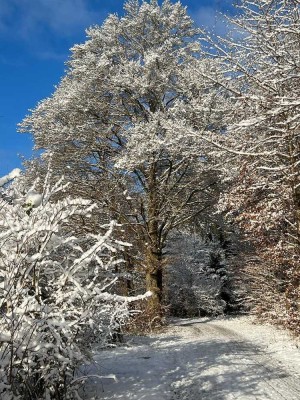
54	292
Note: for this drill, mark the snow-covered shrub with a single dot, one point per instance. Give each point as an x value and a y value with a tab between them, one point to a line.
54	293
198	280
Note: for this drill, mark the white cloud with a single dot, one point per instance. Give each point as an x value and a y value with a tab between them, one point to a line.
42	25
27	17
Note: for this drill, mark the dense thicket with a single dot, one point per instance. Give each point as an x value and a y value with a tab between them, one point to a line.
262	70
57	296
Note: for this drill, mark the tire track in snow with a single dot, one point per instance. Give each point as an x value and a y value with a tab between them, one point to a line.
284	385
199	360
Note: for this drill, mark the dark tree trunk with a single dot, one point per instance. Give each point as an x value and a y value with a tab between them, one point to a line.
153	256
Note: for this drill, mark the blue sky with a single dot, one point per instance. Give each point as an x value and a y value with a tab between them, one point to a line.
35	38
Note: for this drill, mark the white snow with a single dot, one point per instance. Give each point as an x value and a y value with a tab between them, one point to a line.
221	359
33	199
9	177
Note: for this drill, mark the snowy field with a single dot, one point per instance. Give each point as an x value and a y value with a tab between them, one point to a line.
197	359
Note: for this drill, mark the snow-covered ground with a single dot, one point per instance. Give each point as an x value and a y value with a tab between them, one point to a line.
201	359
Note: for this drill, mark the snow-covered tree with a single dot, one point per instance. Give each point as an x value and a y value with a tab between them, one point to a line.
200	280
9	177
56	292
261	75
113	125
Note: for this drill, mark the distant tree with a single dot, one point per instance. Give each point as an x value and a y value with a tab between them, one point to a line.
200	277
113	126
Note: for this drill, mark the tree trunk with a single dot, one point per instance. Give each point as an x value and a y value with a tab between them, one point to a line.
153	256
154	280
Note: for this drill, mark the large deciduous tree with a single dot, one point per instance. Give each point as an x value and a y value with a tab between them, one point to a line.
113	126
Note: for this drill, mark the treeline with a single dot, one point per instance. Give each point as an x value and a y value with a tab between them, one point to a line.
190	144
168	128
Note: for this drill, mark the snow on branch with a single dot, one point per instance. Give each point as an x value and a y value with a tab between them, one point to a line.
9	177
54	297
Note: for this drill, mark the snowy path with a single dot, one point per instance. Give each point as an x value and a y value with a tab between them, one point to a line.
221	359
